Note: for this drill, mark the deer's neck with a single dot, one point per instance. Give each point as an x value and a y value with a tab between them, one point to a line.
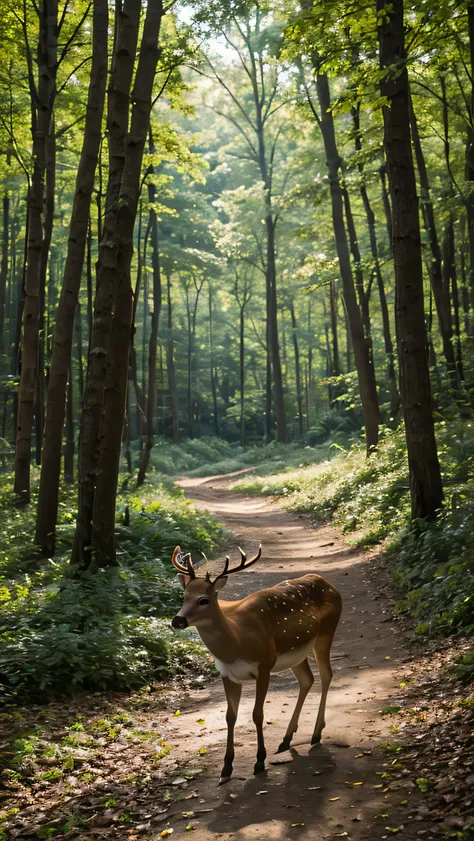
218	636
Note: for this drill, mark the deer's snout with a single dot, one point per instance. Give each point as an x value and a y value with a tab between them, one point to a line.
179	622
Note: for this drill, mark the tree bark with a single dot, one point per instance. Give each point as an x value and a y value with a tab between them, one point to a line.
103	515
361	345
440	291
79	231
370	217
69	443
171	366
4	271
299	386
46	91
127	23
155	320
424	470
212	365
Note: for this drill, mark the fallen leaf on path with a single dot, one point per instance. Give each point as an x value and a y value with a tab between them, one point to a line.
314	788
200	721
394	829
297	824
202	751
166	832
189	827
177	713
332	799
349	783
264	791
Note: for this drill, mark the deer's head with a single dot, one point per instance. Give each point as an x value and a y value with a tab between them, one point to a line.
200	594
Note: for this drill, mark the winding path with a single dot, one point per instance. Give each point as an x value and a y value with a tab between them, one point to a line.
333	790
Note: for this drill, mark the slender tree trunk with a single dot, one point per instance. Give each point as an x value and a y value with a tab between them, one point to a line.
212	364
299	386
361	345
79	231
45	251
123	60
387	208
171	366
4	271
103	515
425	477
242	373
69	443
155	320
440	292
470	155
370	216
46	91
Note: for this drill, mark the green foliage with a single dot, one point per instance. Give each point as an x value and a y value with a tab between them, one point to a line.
432	564
62	632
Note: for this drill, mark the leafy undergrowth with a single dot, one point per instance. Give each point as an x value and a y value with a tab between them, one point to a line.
214	456
61	633
100	766
432	721
368	498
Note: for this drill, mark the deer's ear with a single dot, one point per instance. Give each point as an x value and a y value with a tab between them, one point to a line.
220	583
184	580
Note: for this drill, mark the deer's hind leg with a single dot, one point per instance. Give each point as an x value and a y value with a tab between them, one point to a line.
305	678
322	651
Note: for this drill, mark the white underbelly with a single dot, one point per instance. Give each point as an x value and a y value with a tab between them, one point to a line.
293	657
241	671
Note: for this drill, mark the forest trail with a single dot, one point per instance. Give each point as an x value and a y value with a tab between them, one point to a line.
333	790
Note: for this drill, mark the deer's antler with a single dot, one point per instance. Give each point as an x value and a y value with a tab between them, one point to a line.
244	564
183	562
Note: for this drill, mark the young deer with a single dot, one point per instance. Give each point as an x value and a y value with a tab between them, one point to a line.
269	631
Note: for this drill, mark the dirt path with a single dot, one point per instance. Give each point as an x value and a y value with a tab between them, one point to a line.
333	790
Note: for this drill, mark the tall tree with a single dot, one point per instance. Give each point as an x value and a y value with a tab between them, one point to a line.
425	476
64	328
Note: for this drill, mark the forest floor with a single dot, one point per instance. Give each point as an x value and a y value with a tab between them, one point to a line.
395	758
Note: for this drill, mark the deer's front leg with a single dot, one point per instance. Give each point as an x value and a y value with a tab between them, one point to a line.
262	688
233	692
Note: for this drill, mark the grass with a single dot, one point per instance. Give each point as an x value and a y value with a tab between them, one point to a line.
368	498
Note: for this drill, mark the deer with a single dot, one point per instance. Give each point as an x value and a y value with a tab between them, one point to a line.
269	631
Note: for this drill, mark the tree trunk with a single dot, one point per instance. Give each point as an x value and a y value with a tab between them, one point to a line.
387	208
79	231
123	60
103	515
155	320
361	345
440	291
4	271
424	470
212	365
242	373
69	443
370	216
299	386
470	154
46	91
171	366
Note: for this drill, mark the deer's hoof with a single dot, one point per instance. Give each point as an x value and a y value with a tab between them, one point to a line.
285	745
259	767
223	780
316	739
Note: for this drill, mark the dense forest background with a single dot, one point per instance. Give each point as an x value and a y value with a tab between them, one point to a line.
233	231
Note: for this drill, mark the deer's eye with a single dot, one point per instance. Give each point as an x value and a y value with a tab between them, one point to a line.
204	601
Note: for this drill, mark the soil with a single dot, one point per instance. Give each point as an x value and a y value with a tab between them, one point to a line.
396	757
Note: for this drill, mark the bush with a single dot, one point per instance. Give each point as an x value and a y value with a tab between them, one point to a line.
60	633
